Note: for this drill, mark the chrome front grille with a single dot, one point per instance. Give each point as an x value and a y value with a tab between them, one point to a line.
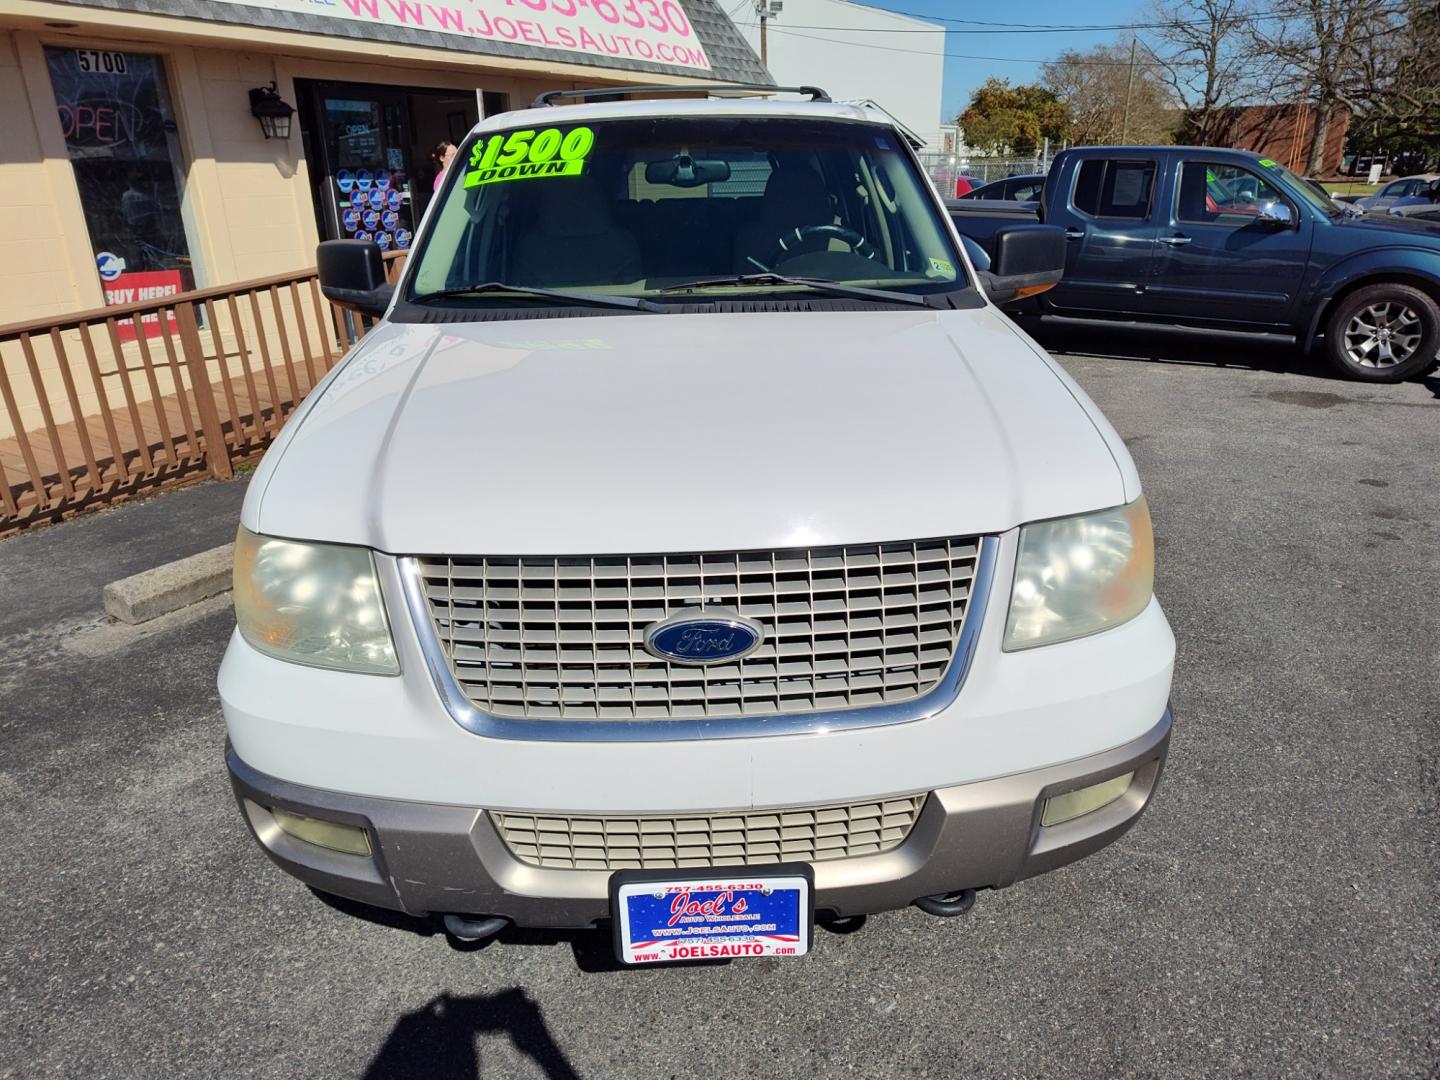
800	834
563	638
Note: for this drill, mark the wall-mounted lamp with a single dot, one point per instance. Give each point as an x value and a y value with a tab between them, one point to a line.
273	113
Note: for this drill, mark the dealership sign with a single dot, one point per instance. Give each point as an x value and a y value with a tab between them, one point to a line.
138	287
657	31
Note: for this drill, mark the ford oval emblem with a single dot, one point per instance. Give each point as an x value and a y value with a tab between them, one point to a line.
702	639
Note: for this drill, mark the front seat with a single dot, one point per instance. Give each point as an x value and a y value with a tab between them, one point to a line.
574	240
794	197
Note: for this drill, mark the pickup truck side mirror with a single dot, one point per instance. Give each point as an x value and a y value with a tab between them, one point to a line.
352	274
1026	260
1276	213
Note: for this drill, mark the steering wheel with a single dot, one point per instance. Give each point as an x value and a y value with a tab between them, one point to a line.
792	242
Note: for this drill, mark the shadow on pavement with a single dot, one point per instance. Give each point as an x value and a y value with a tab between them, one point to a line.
438	1041
593	949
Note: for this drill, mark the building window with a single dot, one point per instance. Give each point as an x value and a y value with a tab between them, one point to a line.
121	136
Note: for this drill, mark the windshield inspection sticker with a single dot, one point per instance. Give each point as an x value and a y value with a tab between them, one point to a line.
941	267
529	155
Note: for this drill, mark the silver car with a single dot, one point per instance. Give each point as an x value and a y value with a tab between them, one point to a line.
1407	191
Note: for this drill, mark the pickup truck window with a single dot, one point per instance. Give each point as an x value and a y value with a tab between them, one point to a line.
630	208
1112	188
1211	193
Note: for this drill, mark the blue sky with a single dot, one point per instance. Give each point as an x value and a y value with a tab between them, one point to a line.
963	76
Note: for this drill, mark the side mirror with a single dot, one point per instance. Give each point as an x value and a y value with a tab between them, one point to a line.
352	274
1275	213
1026	260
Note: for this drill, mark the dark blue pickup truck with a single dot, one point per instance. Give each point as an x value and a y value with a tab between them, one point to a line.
1226	239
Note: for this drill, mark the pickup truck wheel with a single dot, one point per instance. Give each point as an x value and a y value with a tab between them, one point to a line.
1383	333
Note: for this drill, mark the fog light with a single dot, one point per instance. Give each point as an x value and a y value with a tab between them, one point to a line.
350	839
1074	804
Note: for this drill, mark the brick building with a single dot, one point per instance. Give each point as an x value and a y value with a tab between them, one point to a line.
1283	132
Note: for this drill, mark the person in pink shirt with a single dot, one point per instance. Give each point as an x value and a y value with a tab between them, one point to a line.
441	156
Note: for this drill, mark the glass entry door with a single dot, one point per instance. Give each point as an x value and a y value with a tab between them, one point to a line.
369	150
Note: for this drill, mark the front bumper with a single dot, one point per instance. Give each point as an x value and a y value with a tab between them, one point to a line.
437	858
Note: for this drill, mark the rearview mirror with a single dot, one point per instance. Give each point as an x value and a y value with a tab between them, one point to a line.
352	274
686	172
1025	260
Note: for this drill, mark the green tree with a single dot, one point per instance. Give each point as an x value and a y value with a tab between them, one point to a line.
1013	119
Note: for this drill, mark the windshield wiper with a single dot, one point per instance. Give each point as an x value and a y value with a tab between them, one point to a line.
592	299
820	284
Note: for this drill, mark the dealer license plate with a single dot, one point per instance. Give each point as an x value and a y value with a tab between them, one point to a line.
712	914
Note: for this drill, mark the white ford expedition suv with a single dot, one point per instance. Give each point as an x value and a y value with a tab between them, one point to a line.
692	544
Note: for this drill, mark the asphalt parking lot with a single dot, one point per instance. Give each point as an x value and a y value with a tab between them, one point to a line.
1274	914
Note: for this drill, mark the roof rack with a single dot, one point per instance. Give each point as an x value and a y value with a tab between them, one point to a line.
554	97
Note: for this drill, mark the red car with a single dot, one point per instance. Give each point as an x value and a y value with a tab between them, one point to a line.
966	183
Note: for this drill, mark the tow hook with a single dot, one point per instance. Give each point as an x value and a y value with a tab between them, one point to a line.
468	929
947	905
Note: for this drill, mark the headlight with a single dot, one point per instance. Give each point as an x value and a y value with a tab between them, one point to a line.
1077	575
315	604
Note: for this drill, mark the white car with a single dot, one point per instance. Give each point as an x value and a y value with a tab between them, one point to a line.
692	544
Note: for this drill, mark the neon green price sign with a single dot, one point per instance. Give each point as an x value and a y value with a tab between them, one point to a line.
529	155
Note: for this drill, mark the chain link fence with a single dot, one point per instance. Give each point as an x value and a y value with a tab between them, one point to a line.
943	169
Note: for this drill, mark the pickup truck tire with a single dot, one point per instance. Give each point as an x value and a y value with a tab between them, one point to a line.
1383	333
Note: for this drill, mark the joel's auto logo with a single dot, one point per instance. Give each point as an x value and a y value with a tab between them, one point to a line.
110	266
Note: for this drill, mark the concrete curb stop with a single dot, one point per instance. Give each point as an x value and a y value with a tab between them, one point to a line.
170	587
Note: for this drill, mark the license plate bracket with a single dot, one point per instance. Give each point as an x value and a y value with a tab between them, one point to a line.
711	913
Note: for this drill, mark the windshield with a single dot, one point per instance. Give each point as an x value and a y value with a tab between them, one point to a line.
1301	190
638	207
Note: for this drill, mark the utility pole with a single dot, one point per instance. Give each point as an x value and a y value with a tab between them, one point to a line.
1129	86
766	9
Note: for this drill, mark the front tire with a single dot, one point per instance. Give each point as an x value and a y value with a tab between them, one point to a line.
1383	333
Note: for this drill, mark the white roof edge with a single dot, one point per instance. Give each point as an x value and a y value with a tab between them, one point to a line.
616	110
868	103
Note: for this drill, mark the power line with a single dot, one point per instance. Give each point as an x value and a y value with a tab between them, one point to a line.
1021	28
1086	28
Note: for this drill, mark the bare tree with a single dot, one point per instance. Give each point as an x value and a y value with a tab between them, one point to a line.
1206	53
1322	50
1096	85
1396	87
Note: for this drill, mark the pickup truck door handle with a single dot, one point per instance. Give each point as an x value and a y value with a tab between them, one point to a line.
1074	234
1175	241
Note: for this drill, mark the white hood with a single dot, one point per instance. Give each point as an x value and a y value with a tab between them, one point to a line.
687	432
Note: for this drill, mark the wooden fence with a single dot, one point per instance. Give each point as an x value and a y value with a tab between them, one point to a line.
101	405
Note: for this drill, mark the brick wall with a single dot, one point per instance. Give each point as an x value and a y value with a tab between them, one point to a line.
1283	132
264	210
